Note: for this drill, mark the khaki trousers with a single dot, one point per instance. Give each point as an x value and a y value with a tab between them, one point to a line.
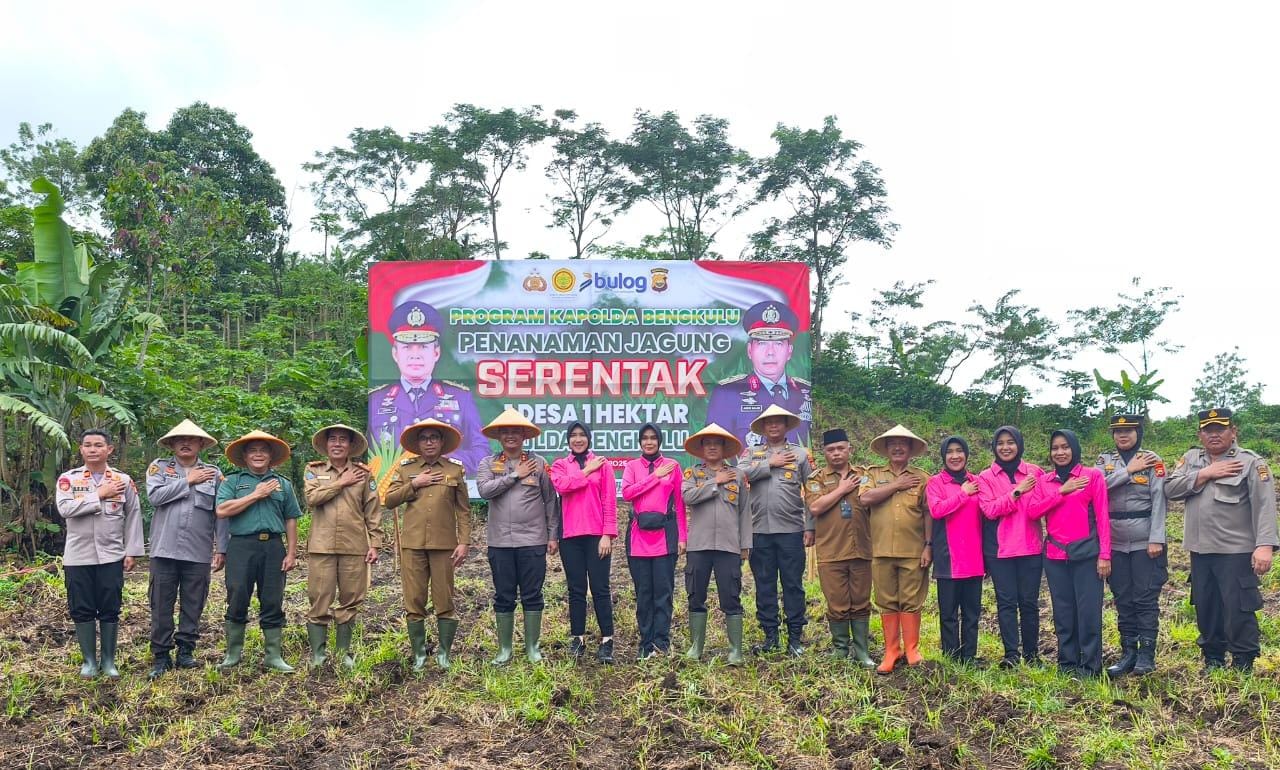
901	585
341	575
846	585
422	570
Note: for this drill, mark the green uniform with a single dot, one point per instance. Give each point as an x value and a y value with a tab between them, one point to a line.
256	551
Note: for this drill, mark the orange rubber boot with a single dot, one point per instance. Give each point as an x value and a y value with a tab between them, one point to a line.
892	645
911	637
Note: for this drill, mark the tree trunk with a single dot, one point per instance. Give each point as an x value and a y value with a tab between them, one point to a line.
493	221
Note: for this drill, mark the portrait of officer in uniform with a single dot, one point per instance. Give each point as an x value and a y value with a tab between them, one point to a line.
415	328
736	401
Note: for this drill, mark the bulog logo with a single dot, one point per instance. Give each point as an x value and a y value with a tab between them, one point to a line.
615	282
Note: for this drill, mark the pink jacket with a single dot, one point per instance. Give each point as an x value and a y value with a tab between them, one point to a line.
646	492
1067	516
1018	533
588	504
957	544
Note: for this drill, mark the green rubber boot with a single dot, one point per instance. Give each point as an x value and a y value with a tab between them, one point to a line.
860	642
271	638
445	629
342	644
87	636
318	638
418	641
108	632
532	633
733	629
235	644
506	623
697	635
840	630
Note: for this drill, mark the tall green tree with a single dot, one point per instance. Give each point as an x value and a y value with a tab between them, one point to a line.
1225	382
40	152
1020	340
835	200
692	177
1129	329
932	350
589	182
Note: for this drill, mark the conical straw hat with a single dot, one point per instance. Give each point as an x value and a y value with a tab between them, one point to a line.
451	438
279	448
879	444
793	421
359	444
187	428
510	418
732	446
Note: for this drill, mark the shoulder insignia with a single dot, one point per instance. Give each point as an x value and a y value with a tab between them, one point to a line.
688	473
64	483
801	381
733	379
153	469
310	476
454	461
319	464
457	385
1264	472
408	460
815	485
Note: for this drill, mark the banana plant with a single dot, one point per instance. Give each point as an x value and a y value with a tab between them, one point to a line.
1128	394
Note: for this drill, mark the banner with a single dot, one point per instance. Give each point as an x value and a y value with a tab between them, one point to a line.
614	345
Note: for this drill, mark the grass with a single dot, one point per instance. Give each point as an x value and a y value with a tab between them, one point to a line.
665	713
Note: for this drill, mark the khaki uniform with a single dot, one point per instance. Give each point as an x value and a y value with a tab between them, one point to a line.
346	521
436	520
897	540
842	538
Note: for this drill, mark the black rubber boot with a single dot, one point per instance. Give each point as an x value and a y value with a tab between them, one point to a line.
160	666
1146	659
187	657
1128	658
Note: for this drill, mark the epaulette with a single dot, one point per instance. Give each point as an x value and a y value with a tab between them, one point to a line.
803	382
733	379
317	463
452	460
408	460
380	387
457	385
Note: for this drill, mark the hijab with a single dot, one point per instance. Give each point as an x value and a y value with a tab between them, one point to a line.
1064	471
1137	447
656	456
1012	465
580	459
962	475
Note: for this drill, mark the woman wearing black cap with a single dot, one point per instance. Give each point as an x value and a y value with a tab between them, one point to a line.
1003	495
957	550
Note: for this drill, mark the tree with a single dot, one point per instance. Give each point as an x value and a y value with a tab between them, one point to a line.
1131	395
1130	328
483	146
690	177
1084	400
591	185
932	350
1225	383
40	152
1020	339
835	199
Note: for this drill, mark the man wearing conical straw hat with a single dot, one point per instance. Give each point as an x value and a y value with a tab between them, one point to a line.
262	508
436	532
781	524
522	528
901	542
716	505
187	541
346	533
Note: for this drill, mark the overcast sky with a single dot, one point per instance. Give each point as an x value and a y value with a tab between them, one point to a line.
1057	148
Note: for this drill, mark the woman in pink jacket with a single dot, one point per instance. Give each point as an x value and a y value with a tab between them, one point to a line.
1015	572
1077	554
957	550
656	536
589	523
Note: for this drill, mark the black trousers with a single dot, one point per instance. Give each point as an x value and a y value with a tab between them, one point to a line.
1017	584
1136	582
93	591
655	581
255	564
1076	592
774	557
171	578
583	567
959	608
1226	595
699	566
518	571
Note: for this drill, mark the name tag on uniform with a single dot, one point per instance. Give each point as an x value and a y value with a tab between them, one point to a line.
530	480
325	477
1140	480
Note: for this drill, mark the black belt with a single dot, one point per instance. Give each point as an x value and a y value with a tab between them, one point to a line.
1131	514
262	535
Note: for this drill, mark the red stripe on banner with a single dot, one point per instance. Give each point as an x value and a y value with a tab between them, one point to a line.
387	278
791	278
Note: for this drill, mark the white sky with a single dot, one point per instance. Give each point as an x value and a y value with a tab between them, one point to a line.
1060	148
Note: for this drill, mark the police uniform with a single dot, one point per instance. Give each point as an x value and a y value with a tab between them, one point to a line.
1137	506
737	401
1226	520
397	405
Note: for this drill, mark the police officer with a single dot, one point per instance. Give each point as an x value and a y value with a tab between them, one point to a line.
262	508
415	346
346	533
104	535
187	541
436	532
1230	530
782	526
1139	563
737	401
842	536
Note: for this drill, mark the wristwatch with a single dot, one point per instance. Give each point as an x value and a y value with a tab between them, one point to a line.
1017	493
